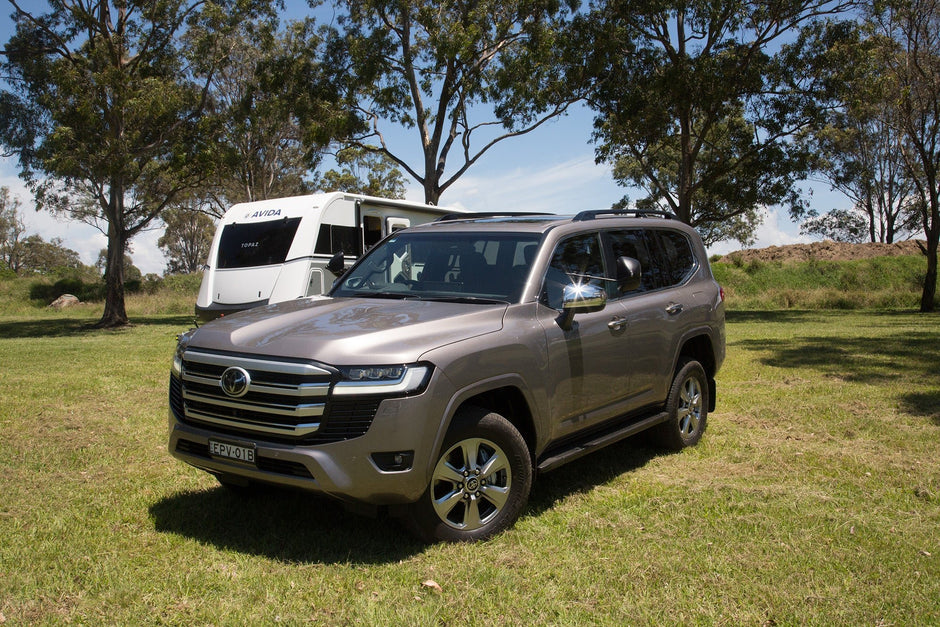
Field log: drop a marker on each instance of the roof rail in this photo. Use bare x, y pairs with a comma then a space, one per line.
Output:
490, 214
636, 213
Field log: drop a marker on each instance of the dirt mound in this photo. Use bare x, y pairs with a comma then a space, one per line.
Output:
826, 250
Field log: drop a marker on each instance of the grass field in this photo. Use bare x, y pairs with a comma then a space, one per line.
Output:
814, 498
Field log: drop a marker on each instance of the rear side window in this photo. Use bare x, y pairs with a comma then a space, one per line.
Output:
256, 244
633, 244
679, 262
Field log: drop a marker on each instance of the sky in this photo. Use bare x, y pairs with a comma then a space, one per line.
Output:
550, 169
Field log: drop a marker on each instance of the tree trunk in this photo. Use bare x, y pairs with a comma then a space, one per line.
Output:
929, 296
115, 314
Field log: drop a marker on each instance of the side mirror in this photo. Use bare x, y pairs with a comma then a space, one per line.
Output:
337, 264
581, 299
629, 274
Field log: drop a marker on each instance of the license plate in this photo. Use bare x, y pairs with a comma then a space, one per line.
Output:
236, 452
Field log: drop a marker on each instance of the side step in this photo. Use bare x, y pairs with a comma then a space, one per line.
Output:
581, 448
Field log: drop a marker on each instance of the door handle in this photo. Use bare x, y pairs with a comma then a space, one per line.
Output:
617, 324
673, 309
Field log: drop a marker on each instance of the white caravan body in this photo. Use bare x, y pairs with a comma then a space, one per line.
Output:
275, 250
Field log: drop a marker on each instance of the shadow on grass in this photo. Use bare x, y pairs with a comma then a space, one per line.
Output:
298, 527
284, 525
590, 471
73, 327
874, 359
903, 363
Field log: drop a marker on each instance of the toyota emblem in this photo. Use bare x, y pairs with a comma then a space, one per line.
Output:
235, 382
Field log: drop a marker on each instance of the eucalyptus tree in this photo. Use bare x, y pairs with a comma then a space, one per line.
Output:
697, 102
909, 33
463, 75
364, 172
279, 104
104, 105
856, 147
187, 237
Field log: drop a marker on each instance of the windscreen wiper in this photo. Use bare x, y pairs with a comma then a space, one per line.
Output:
473, 300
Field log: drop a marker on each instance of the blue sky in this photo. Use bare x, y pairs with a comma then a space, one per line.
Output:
550, 169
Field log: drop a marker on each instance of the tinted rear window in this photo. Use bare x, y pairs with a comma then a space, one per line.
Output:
256, 244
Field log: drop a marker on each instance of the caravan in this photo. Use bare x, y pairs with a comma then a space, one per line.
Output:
275, 250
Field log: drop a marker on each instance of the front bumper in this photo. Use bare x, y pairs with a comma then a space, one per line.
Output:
345, 470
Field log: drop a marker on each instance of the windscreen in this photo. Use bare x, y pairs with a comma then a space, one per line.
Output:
257, 243
466, 267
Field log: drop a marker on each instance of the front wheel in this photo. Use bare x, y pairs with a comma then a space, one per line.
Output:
480, 483
687, 406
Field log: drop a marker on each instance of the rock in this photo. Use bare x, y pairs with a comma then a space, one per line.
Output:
66, 300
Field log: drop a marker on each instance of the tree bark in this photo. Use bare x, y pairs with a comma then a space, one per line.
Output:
115, 313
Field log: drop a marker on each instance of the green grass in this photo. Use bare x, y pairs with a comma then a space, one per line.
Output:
814, 498
877, 283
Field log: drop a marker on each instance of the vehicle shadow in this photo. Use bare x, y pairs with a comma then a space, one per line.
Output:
74, 327
590, 471
284, 525
299, 527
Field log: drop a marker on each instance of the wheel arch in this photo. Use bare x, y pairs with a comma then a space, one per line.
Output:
505, 398
700, 348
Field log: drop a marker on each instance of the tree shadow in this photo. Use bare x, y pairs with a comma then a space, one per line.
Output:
891, 360
873, 359
74, 327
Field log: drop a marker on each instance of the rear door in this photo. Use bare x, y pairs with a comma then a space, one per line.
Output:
658, 312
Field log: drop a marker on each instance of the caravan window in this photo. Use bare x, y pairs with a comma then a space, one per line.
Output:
256, 244
334, 238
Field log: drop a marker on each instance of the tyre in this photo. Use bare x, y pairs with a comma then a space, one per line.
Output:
687, 406
480, 482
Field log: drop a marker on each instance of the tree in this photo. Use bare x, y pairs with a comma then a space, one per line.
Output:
279, 103
365, 172
41, 257
856, 150
909, 33
187, 238
839, 225
697, 102
12, 231
104, 107
455, 72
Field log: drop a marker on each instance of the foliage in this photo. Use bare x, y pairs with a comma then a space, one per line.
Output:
104, 107
856, 148
464, 76
363, 172
697, 102
186, 239
38, 256
840, 225
277, 103
877, 283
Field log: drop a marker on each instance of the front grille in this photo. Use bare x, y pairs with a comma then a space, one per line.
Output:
285, 401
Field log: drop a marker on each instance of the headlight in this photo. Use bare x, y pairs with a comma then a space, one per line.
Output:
181, 343
384, 380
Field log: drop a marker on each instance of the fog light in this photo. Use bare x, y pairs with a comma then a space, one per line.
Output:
397, 461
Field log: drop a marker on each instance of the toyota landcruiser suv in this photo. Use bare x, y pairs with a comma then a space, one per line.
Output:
457, 360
